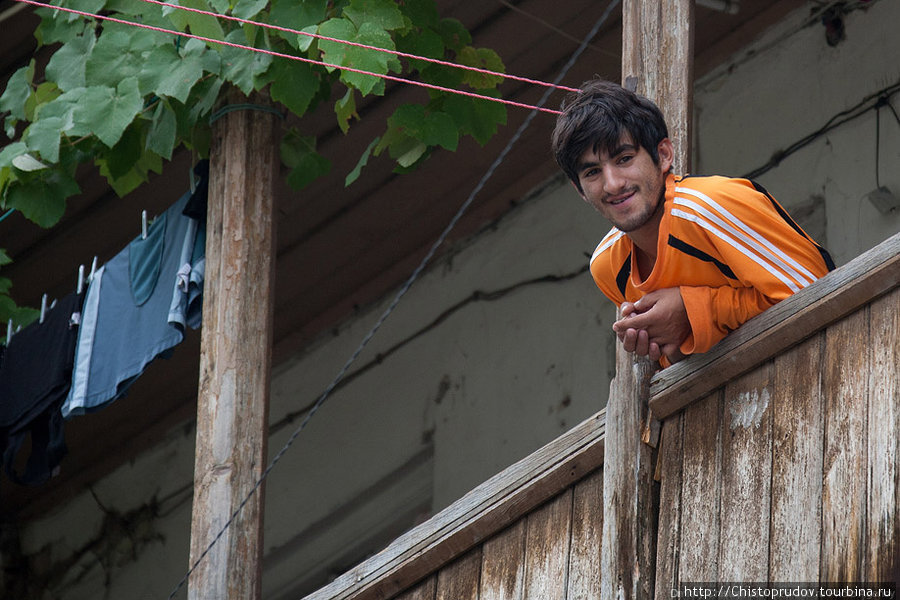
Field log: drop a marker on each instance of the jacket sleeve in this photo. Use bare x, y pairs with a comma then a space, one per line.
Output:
769, 256
716, 311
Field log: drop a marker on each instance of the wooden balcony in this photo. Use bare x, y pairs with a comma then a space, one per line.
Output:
778, 461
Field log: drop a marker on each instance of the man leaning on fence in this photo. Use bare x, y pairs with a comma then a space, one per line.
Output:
689, 258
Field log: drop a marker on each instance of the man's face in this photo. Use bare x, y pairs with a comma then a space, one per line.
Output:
626, 186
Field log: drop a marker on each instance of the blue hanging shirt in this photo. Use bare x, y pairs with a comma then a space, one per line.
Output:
136, 309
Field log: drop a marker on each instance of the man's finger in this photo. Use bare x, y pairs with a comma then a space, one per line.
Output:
630, 340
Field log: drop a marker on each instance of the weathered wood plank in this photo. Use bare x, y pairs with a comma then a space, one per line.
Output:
547, 536
676, 77
628, 555
587, 530
839, 293
797, 438
503, 564
423, 591
668, 543
478, 515
746, 476
883, 509
845, 460
701, 483
235, 358
459, 579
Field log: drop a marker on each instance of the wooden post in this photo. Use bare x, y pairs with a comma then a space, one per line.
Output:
235, 357
657, 62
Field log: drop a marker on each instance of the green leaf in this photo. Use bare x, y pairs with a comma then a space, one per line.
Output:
27, 163
133, 177
478, 118
345, 108
421, 43
242, 67
52, 30
383, 13
202, 25
10, 151
107, 112
43, 137
67, 65
408, 152
220, 6
206, 93
295, 84
121, 158
66, 107
364, 59
248, 9
303, 42
481, 58
18, 88
186, 70
121, 52
44, 93
421, 12
297, 15
362, 162
161, 136
299, 153
454, 34
42, 199
434, 129
4, 260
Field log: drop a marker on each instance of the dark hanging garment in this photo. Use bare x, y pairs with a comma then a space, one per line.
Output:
35, 375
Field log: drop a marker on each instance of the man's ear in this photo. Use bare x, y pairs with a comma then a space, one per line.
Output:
666, 154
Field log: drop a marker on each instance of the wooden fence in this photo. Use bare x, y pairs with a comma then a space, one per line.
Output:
779, 461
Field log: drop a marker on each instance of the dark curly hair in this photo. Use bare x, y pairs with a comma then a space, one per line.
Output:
597, 116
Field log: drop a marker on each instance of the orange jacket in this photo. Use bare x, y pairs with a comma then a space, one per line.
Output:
729, 247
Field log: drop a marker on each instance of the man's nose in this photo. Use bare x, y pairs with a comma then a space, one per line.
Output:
613, 182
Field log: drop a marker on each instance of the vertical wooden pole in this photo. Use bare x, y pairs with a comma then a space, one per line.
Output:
657, 62
235, 357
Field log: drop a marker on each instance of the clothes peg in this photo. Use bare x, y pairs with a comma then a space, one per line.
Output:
93, 270
80, 286
143, 224
43, 307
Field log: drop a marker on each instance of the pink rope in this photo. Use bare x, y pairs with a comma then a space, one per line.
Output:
367, 47
292, 57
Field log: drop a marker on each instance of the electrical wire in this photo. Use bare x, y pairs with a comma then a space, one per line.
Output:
364, 46
403, 290
291, 57
845, 116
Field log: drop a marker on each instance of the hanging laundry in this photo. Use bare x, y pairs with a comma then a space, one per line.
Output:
136, 309
35, 374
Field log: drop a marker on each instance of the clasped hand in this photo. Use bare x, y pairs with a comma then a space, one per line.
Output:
654, 326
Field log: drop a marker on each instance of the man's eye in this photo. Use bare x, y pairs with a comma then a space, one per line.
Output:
624, 159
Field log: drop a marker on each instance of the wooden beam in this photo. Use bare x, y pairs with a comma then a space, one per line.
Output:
657, 55
235, 358
787, 323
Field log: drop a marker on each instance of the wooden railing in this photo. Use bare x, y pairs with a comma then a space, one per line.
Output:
779, 461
